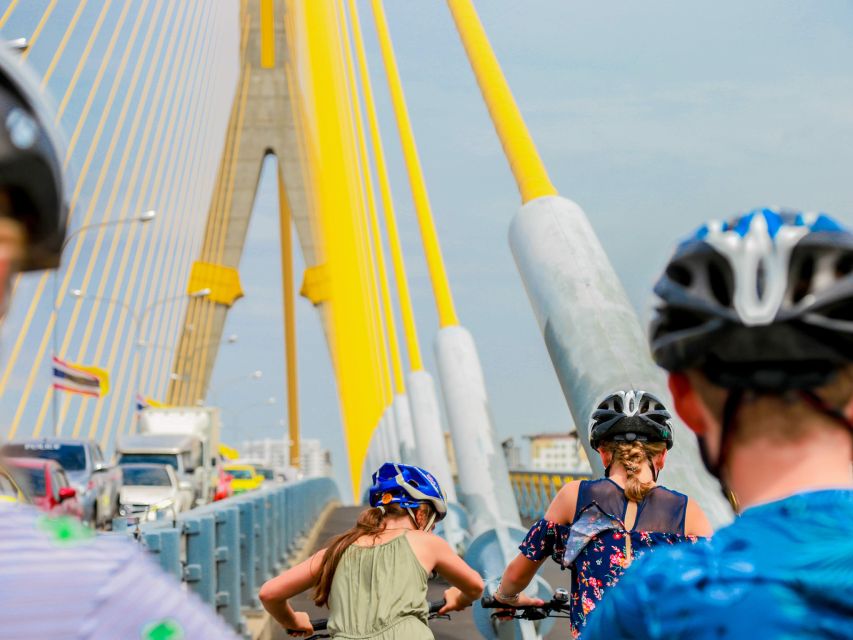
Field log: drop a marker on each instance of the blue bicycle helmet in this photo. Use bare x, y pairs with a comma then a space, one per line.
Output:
409, 487
763, 302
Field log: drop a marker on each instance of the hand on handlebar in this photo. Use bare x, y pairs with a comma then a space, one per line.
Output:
522, 601
301, 625
454, 600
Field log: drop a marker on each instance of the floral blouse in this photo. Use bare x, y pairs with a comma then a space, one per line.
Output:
596, 549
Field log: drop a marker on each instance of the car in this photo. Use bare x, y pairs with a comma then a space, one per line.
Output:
244, 477
97, 482
182, 452
10, 490
223, 485
47, 485
151, 491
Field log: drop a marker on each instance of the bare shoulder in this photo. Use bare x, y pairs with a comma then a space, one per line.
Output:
563, 505
695, 521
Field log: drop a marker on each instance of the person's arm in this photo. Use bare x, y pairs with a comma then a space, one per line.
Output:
275, 593
521, 570
695, 521
467, 583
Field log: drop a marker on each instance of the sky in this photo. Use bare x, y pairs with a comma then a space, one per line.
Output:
652, 116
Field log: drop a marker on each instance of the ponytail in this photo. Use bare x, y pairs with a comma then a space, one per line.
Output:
371, 522
632, 456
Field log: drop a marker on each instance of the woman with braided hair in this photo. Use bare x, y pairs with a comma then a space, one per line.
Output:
597, 528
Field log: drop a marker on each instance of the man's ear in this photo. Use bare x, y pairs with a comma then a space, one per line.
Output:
848, 410
687, 402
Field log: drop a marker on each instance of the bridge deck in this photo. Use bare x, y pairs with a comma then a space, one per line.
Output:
459, 627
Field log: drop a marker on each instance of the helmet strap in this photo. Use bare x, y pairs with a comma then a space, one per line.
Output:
818, 403
715, 467
412, 516
431, 521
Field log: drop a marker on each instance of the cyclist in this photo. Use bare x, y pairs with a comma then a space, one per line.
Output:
58, 580
754, 325
598, 527
373, 578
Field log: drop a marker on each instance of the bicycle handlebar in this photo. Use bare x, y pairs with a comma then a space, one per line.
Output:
320, 624
559, 603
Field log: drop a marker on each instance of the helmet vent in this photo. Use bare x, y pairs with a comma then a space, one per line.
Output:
680, 275
844, 266
719, 286
803, 280
760, 280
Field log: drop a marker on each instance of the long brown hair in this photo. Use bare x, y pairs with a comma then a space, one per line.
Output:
632, 455
371, 522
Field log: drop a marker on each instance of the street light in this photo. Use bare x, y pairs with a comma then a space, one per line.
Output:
144, 217
137, 319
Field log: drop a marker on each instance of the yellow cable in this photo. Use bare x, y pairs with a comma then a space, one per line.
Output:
61, 48
432, 249
196, 360
152, 150
196, 389
366, 216
72, 84
76, 252
530, 174
399, 266
180, 108
8, 12
386, 322
176, 243
106, 267
23, 332
34, 38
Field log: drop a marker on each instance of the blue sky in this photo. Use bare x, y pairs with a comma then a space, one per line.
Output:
652, 116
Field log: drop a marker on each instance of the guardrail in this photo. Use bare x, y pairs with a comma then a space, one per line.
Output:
225, 550
534, 489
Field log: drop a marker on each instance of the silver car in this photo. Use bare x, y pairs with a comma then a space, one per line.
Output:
151, 492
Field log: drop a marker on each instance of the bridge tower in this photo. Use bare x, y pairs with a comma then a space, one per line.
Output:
262, 123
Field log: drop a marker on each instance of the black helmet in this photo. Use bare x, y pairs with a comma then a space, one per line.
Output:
626, 416
762, 302
31, 165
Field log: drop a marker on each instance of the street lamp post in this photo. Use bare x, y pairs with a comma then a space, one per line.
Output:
137, 319
145, 216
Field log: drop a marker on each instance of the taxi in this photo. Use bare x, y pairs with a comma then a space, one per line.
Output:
244, 477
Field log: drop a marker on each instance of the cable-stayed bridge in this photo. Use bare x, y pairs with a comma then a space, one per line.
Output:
169, 110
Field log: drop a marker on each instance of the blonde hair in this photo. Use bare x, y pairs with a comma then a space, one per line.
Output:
371, 522
632, 455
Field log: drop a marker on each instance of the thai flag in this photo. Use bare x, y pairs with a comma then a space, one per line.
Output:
75, 378
141, 402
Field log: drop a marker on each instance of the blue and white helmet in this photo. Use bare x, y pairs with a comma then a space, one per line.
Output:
407, 486
762, 302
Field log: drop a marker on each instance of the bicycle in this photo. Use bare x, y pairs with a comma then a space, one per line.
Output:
559, 604
319, 624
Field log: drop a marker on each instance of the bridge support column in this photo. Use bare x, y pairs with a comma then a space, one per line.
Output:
405, 431
592, 333
431, 452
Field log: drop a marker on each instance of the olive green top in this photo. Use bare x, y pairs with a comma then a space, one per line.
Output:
379, 592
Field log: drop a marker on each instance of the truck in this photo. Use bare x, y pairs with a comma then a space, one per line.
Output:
203, 425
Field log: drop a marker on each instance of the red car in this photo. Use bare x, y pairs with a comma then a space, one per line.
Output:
47, 485
223, 485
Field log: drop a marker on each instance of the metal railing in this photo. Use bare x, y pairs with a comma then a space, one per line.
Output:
224, 551
534, 489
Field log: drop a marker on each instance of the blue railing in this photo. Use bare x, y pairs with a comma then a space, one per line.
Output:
224, 551
534, 489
